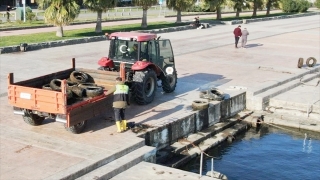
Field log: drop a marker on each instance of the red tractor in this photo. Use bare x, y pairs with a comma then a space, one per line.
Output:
146, 60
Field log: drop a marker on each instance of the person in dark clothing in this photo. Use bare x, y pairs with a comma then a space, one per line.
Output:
8, 12
237, 34
120, 102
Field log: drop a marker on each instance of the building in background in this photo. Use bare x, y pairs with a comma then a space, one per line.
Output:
17, 3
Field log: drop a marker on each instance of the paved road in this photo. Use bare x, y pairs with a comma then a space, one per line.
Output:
114, 23
204, 58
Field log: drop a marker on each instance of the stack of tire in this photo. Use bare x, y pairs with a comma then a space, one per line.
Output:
78, 86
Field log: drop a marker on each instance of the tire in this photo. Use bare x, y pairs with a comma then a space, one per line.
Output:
78, 128
314, 61
33, 119
144, 86
199, 105
300, 62
47, 87
79, 77
85, 85
77, 91
169, 82
93, 91
55, 84
71, 84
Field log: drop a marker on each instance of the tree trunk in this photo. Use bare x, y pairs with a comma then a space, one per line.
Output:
144, 18
218, 10
59, 32
268, 7
98, 24
238, 12
179, 16
255, 8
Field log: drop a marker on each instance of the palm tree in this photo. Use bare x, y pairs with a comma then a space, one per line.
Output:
180, 5
59, 13
271, 3
257, 4
216, 5
145, 5
238, 5
100, 6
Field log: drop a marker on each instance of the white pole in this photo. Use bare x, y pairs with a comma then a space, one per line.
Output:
201, 159
24, 10
212, 167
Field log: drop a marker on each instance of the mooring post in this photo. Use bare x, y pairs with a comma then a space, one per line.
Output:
212, 167
201, 159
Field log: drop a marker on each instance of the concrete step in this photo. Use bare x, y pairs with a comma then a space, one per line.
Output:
227, 134
261, 101
145, 153
97, 161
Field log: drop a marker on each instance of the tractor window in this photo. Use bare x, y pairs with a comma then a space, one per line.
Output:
166, 54
122, 49
153, 53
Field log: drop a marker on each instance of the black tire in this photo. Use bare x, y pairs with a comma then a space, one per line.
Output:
300, 62
144, 86
79, 77
55, 84
71, 84
85, 85
93, 91
314, 61
78, 128
169, 82
199, 105
33, 119
47, 87
78, 91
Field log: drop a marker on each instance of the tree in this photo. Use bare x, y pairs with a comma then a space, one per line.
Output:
257, 4
100, 6
179, 6
145, 5
59, 13
238, 5
270, 4
317, 4
215, 5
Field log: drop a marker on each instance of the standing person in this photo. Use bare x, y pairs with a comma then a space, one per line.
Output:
8, 13
120, 102
244, 36
237, 35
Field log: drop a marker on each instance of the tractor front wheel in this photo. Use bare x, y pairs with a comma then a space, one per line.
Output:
144, 86
169, 82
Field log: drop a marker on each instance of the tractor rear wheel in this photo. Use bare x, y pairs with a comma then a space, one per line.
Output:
169, 82
144, 86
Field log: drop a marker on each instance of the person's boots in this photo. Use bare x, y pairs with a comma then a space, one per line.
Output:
124, 125
118, 124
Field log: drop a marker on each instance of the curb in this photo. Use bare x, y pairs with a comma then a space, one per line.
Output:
37, 46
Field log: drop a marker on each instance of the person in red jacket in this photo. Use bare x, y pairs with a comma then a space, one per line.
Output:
237, 34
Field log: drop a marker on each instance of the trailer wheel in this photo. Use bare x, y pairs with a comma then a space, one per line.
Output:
33, 119
169, 81
92, 91
144, 86
78, 128
314, 61
79, 77
199, 105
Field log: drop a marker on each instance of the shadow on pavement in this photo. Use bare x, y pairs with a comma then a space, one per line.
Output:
253, 45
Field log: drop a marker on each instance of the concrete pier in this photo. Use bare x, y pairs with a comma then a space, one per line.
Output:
204, 58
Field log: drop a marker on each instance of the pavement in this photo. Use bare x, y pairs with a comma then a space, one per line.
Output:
204, 58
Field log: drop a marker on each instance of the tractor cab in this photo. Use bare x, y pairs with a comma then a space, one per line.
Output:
140, 53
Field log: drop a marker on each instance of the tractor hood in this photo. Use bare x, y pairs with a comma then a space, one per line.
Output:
106, 62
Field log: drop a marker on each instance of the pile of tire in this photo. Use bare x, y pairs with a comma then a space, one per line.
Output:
78, 86
213, 94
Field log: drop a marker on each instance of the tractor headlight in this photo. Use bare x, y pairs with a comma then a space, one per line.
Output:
169, 70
